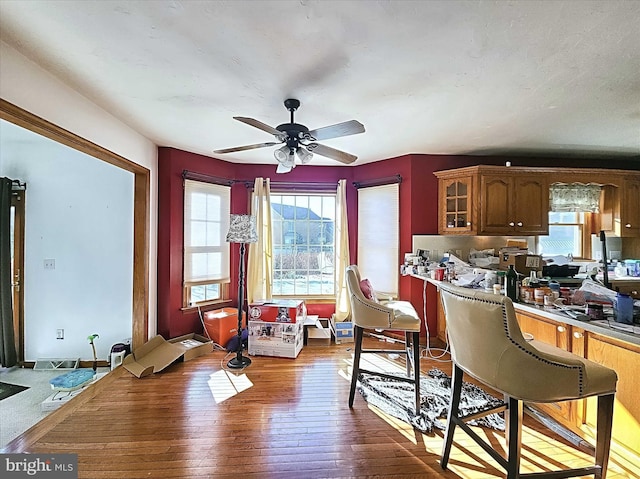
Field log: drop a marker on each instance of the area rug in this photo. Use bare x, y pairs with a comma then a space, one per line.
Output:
396, 398
8, 390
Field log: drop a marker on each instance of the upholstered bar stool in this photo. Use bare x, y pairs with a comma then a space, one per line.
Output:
487, 344
391, 316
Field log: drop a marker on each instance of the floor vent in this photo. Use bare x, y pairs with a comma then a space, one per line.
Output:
49, 364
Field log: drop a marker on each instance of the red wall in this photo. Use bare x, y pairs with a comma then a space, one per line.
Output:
418, 215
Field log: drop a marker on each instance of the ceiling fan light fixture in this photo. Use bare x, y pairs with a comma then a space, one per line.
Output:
304, 155
281, 154
282, 168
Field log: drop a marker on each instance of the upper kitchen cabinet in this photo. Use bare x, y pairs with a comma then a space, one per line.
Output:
620, 205
455, 201
498, 201
630, 208
514, 204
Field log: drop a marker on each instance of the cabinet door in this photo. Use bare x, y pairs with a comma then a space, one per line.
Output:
630, 209
495, 205
455, 206
530, 205
624, 358
556, 334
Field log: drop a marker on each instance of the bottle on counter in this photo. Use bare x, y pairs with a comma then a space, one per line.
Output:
511, 283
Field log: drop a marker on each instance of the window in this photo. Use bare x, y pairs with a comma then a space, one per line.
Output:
379, 236
206, 252
303, 244
566, 235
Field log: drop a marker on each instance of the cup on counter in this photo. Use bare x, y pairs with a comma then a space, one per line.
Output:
438, 274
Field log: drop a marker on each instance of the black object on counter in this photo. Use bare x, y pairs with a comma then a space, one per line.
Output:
605, 272
512, 283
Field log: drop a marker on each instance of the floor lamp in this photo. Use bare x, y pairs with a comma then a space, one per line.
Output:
242, 229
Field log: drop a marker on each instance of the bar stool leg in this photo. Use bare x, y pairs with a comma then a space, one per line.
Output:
356, 363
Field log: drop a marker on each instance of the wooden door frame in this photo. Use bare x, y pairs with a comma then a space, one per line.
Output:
18, 202
141, 205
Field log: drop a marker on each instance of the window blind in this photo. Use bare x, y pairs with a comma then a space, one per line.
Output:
379, 236
206, 222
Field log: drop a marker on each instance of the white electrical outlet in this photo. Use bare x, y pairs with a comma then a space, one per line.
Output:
59, 333
49, 264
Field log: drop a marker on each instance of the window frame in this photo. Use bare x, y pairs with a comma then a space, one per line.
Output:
223, 283
584, 224
301, 192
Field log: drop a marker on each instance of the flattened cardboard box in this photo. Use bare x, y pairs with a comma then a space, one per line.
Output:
193, 345
153, 356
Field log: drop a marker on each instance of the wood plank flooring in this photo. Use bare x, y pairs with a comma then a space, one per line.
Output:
279, 418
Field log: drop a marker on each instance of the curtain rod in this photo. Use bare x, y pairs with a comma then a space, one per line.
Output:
294, 185
192, 175
379, 182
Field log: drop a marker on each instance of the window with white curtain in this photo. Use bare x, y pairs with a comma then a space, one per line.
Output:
379, 236
206, 252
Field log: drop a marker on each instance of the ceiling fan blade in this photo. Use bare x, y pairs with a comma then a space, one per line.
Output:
332, 153
258, 124
246, 147
345, 128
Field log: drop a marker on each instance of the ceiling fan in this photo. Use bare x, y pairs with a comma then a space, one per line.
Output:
299, 140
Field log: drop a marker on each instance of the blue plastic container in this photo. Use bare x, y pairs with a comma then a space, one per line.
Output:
624, 308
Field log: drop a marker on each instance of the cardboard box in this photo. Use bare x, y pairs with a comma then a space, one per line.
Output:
222, 324
153, 356
342, 331
268, 338
278, 311
193, 345
318, 336
522, 262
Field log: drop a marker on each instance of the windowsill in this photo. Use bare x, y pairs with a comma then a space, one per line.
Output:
207, 306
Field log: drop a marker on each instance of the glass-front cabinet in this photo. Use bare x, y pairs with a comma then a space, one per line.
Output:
456, 206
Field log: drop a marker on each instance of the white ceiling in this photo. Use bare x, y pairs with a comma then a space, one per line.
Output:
435, 77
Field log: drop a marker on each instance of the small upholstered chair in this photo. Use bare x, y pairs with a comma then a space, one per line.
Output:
390, 316
487, 344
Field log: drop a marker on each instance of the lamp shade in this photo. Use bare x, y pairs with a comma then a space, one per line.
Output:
242, 229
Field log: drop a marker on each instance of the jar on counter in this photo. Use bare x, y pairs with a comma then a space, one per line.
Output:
595, 311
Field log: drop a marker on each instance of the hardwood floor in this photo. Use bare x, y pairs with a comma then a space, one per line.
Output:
279, 418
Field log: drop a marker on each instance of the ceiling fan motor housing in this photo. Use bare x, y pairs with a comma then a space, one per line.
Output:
294, 132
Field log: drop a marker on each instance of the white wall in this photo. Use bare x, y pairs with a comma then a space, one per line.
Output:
79, 213
30, 87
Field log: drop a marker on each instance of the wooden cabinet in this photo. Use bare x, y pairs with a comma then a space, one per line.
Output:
493, 200
455, 200
514, 205
619, 208
630, 208
621, 356
624, 358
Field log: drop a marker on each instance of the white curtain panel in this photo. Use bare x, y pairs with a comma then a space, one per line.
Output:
342, 253
260, 265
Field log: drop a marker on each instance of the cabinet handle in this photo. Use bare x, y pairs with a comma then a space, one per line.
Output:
561, 329
628, 225
512, 224
468, 223
577, 335
519, 223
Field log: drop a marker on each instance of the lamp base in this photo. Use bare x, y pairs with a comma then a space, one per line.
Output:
239, 362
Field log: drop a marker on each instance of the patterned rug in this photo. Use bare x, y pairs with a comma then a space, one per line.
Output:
8, 390
396, 398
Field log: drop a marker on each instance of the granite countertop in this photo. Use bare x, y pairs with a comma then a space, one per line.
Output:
624, 332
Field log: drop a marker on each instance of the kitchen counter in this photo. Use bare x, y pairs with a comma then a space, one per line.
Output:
624, 332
